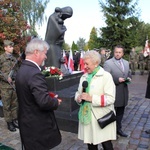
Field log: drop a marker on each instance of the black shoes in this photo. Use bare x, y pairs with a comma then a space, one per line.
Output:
11, 127
121, 133
148, 131
15, 123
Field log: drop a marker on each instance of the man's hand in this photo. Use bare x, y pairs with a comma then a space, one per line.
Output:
59, 101
121, 79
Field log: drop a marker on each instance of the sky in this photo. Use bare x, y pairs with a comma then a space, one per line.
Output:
86, 15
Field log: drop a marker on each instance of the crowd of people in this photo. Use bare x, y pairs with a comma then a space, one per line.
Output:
105, 54
138, 60
103, 88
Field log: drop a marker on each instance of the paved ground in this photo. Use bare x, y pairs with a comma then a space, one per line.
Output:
136, 121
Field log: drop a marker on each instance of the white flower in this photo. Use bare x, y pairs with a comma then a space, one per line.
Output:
52, 67
60, 77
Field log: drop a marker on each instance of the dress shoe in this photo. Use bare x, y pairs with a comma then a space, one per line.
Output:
120, 132
148, 131
11, 127
15, 123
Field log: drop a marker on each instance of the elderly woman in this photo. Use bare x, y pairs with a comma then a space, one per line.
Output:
95, 102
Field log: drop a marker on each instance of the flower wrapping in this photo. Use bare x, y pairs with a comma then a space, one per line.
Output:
52, 72
51, 94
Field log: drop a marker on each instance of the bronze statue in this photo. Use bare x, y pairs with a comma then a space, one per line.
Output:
55, 35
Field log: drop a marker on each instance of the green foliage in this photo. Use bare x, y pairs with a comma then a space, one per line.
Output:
74, 46
81, 44
144, 33
93, 42
12, 25
86, 47
33, 11
138, 49
122, 23
65, 46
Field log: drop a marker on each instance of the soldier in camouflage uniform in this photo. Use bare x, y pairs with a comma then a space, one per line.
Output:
8, 94
103, 56
133, 61
141, 62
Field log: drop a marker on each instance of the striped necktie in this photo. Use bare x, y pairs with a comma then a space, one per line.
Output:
121, 65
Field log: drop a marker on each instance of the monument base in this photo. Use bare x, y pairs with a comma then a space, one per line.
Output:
67, 122
67, 112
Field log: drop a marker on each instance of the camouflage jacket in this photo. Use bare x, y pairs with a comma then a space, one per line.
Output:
141, 57
133, 56
7, 63
103, 59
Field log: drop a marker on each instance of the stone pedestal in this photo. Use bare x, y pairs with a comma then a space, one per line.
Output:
67, 112
54, 84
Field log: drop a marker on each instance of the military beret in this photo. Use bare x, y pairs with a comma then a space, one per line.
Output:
7, 42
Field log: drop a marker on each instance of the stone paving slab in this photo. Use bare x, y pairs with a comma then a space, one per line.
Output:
136, 120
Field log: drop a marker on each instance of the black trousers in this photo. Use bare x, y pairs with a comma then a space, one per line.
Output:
119, 116
106, 146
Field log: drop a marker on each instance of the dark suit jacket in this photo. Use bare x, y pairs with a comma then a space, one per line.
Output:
113, 67
147, 95
38, 127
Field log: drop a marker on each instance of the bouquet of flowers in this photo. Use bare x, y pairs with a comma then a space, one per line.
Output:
52, 72
127, 80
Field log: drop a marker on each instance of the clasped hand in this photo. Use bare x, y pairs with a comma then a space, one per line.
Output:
84, 96
123, 79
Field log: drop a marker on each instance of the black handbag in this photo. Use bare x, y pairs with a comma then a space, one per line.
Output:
107, 119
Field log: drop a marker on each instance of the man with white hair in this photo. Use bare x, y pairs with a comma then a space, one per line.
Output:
38, 127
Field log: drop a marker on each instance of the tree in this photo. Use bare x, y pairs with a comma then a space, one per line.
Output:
86, 46
12, 25
65, 46
81, 44
122, 23
33, 11
144, 33
74, 46
93, 42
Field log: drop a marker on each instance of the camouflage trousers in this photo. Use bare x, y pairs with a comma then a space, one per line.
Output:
10, 104
142, 66
133, 66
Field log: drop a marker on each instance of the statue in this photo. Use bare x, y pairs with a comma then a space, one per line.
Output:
55, 35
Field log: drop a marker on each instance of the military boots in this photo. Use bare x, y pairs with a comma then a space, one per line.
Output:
11, 127
15, 123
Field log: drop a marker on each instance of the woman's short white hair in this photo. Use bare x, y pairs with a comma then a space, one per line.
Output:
93, 55
36, 44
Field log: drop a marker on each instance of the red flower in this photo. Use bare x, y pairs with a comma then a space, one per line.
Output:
51, 94
52, 71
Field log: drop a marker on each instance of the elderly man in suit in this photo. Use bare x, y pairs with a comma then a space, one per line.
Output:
119, 69
38, 126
